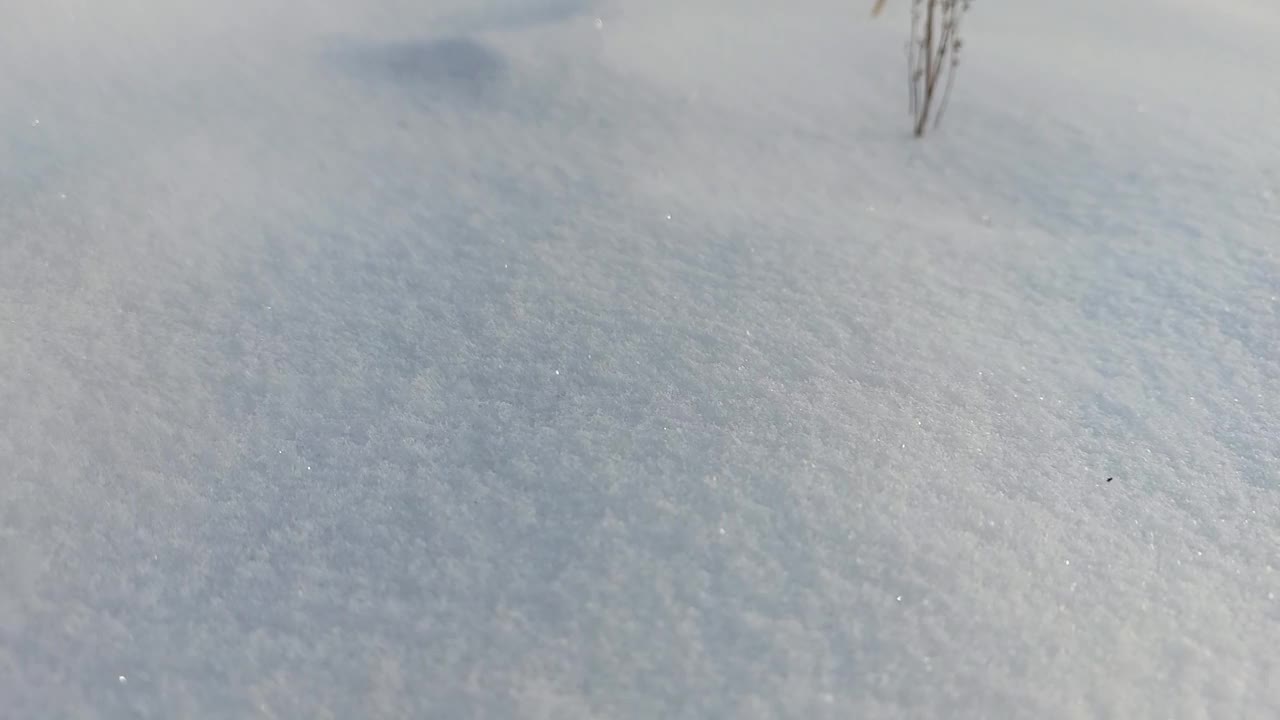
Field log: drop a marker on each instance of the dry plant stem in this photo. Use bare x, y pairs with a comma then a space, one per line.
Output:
933, 52
914, 70
930, 71
951, 72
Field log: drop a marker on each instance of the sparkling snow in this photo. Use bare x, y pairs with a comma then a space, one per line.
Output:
279, 438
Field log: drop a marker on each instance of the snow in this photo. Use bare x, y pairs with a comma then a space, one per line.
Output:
547, 358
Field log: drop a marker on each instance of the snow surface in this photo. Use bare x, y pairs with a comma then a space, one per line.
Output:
559, 359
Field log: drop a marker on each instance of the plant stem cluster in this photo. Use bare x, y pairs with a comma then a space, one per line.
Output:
933, 54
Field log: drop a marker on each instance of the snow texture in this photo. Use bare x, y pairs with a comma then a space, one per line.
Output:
560, 359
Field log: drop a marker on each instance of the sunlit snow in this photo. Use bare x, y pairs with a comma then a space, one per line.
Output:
573, 359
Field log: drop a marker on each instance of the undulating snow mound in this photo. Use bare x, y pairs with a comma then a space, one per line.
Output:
560, 359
